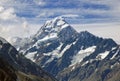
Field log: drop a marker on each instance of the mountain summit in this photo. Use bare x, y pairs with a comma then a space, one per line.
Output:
72, 56
55, 28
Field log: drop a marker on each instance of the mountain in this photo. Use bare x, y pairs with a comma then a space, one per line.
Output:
15, 67
20, 43
72, 56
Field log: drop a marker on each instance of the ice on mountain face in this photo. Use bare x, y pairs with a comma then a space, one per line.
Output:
58, 23
50, 32
115, 64
82, 54
55, 29
115, 53
18, 48
85, 63
56, 53
48, 61
67, 47
46, 39
73, 68
101, 56
31, 56
52, 26
67, 33
113, 48
75, 42
64, 26
51, 36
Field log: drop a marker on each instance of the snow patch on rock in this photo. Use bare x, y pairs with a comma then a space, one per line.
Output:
31, 56
82, 54
101, 56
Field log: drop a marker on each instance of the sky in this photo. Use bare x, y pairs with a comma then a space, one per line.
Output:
24, 17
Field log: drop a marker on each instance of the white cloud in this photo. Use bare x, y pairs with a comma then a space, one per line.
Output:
3, 1
71, 15
45, 14
12, 25
40, 2
1, 9
22, 29
7, 14
105, 30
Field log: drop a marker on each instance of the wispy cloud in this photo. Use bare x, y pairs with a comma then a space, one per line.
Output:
45, 14
71, 15
22, 30
97, 9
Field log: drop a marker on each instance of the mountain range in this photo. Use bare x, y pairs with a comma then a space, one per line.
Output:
69, 55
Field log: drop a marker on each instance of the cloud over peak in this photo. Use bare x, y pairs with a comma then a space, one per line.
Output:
20, 14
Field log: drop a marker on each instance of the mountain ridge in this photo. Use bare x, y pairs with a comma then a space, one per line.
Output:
66, 54
19, 64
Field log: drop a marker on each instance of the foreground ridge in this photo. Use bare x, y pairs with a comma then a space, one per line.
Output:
15, 66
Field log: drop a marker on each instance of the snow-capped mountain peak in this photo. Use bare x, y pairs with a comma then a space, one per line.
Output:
53, 28
56, 22
55, 25
59, 46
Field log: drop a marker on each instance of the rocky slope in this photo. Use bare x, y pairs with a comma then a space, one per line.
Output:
15, 67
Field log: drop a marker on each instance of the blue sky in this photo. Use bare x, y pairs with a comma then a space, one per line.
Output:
88, 11
23, 15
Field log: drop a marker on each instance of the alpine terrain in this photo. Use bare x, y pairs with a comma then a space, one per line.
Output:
15, 67
72, 56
